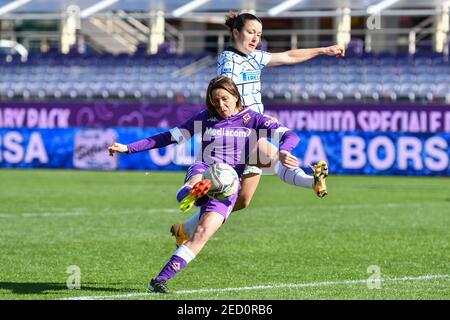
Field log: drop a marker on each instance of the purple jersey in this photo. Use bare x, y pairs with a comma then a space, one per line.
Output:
228, 141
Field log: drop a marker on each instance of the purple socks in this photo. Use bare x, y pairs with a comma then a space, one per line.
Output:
174, 265
180, 258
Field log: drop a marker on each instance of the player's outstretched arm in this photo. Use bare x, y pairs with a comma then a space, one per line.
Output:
160, 140
117, 147
301, 55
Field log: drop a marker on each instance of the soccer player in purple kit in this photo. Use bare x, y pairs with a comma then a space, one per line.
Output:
228, 131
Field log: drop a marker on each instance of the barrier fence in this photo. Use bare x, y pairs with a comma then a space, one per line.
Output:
354, 139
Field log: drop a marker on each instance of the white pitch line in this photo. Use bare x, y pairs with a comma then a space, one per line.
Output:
51, 214
40, 214
265, 287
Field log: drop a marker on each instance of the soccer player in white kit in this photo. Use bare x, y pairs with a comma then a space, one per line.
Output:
243, 63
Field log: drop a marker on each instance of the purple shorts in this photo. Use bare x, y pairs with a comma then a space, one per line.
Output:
222, 207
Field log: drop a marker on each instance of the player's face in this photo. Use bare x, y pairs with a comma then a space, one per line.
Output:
225, 103
248, 38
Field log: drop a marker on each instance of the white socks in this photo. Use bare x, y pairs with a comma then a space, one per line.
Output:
191, 224
296, 177
184, 253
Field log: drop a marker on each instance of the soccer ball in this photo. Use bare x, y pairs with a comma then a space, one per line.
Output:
224, 181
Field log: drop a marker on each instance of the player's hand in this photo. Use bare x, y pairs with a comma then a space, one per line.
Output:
287, 159
117, 147
336, 50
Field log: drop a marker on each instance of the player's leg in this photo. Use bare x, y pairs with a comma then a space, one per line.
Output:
210, 222
297, 177
194, 174
220, 208
183, 231
194, 188
213, 214
268, 153
196, 193
252, 174
249, 185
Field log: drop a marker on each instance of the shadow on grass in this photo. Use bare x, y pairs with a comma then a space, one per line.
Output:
42, 287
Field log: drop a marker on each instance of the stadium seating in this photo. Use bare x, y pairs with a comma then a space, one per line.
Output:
384, 76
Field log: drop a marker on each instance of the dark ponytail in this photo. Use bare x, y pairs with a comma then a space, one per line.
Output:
237, 21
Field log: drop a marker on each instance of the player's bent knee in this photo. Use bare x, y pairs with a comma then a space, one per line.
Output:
201, 234
246, 202
242, 203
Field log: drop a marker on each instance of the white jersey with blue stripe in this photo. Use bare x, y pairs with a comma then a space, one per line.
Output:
245, 70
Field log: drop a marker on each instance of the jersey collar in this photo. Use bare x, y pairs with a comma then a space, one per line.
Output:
238, 114
233, 49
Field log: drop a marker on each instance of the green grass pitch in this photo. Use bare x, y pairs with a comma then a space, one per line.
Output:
289, 244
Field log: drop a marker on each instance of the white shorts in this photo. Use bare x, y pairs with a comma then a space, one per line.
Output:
252, 169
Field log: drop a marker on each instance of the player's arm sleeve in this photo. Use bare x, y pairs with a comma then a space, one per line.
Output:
154, 142
262, 58
226, 67
265, 59
287, 138
178, 135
